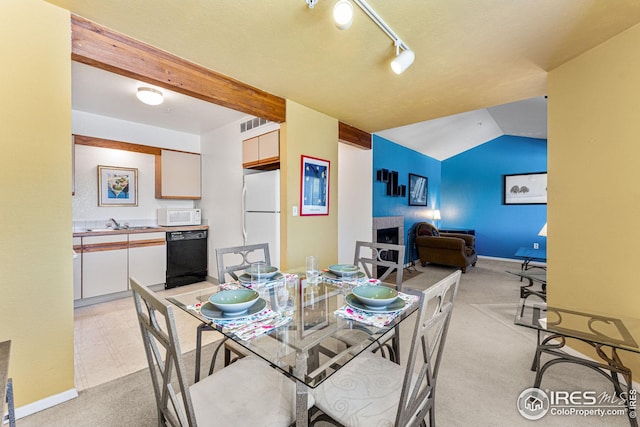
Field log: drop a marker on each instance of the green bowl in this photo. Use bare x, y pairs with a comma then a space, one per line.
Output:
234, 301
341, 269
377, 296
267, 273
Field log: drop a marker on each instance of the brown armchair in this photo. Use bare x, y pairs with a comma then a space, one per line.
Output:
456, 250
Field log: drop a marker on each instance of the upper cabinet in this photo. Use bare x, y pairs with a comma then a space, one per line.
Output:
262, 152
178, 175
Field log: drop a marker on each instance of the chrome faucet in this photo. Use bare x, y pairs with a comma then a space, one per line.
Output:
117, 226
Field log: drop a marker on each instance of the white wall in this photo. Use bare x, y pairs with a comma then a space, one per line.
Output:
221, 201
121, 130
355, 199
222, 174
86, 212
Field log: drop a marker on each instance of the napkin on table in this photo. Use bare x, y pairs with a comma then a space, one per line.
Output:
373, 318
249, 327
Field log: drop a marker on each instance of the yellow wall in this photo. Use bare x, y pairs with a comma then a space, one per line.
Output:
594, 181
36, 277
313, 134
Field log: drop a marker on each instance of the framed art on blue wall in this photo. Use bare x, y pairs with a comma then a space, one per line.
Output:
418, 186
525, 189
314, 186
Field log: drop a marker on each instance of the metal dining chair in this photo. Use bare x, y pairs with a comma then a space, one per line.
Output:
6, 385
371, 390
230, 262
380, 260
219, 399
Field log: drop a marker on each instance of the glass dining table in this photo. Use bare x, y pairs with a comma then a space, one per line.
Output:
317, 339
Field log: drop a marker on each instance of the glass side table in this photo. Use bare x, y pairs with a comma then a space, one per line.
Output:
605, 333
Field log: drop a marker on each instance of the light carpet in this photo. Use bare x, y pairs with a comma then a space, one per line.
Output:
486, 365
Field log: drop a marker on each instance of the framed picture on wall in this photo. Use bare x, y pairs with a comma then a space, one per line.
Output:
117, 186
418, 186
525, 189
314, 186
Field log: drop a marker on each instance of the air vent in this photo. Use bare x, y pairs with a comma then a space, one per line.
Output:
252, 124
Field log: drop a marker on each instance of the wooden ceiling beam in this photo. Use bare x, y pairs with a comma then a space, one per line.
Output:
103, 48
354, 136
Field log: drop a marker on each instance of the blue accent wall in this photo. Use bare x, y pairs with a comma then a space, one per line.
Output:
471, 195
467, 189
389, 155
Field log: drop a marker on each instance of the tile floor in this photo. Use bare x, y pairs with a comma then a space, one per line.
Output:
108, 344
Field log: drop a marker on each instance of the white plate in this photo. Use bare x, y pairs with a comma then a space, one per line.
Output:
210, 311
352, 301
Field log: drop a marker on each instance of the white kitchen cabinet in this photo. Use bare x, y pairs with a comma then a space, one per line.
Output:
77, 268
148, 257
178, 175
104, 265
261, 151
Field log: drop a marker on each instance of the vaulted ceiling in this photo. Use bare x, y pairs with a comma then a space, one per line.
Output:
470, 55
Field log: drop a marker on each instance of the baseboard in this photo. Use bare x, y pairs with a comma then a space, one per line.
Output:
45, 403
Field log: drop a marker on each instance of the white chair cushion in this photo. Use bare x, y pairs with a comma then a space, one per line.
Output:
365, 392
246, 393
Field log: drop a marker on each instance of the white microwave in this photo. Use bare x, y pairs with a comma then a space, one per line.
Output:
169, 217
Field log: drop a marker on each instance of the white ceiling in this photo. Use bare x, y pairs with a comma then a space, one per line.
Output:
101, 92
451, 135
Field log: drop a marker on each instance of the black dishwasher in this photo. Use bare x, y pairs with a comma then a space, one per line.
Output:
186, 257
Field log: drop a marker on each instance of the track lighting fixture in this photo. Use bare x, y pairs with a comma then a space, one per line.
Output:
403, 60
343, 17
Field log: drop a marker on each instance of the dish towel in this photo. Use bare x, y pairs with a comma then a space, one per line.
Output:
372, 318
249, 327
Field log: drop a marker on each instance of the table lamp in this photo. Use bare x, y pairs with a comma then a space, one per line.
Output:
543, 231
436, 217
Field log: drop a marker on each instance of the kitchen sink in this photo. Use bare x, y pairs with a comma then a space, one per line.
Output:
143, 227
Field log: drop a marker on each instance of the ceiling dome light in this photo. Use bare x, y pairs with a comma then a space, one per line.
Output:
402, 61
149, 95
343, 14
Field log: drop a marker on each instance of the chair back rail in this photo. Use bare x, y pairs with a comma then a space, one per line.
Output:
432, 323
378, 258
246, 255
159, 335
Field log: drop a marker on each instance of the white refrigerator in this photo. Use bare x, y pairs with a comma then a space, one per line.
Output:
261, 211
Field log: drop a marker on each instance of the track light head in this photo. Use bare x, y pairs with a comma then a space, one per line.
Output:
402, 61
343, 14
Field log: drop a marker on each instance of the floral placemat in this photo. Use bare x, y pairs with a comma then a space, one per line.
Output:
372, 318
248, 327
262, 286
339, 281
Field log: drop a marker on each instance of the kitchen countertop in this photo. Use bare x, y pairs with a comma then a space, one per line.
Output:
137, 230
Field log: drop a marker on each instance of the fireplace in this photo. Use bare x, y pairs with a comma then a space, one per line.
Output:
391, 236
388, 229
